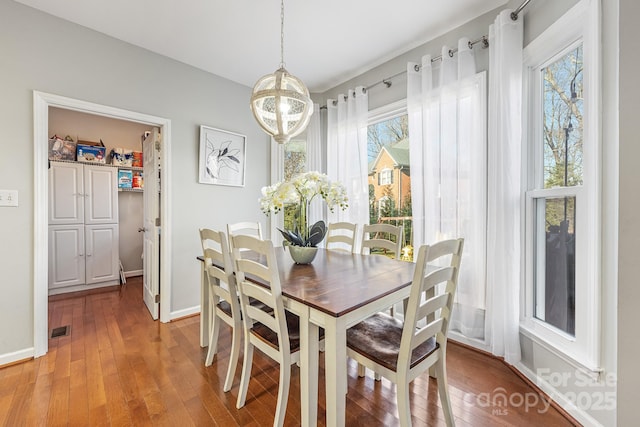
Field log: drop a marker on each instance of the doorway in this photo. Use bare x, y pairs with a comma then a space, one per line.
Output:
42, 103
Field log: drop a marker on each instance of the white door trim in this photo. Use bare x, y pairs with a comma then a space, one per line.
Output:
41, 103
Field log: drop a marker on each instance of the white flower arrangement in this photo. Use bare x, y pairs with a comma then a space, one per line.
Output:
299, 191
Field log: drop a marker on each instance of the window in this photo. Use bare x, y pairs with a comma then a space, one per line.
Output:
555, 214
385, 177
561, 303
388, 154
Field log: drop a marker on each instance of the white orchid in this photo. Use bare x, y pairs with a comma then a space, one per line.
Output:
300, 190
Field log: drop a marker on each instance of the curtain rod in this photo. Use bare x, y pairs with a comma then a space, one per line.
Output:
387, 81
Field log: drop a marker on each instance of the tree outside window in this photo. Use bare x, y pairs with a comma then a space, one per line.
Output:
562, 121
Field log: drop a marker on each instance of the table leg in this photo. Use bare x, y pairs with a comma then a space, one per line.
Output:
308, 371
204, 308
335, 356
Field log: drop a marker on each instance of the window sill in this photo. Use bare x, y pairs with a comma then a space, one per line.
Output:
591, 371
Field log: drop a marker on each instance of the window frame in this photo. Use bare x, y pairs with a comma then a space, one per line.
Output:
574, 28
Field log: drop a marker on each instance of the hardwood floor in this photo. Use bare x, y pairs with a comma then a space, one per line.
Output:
117, 367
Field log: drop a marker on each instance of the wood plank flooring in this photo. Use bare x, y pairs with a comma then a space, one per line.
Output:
119, 368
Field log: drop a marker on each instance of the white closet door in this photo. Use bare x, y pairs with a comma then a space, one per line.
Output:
151, 277
102, 242
101, 201
66, 255
66, 193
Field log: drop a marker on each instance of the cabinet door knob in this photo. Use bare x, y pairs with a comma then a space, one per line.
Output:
141, 230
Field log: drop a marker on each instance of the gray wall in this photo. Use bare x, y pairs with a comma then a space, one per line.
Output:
629, 240
40, 52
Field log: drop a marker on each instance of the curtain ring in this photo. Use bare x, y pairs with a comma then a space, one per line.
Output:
450, 53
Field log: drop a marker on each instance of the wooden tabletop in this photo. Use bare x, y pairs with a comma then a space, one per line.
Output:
337, 282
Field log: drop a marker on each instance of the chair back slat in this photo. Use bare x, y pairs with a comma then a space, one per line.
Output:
341, 236
258, 315
430, 330
247, 228
254, 268
432, 305
382, 236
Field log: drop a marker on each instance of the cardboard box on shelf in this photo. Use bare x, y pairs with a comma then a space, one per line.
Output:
88, 151
125, 179
61, 149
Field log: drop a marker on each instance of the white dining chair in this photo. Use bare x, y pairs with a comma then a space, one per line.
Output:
401, 351
341, 236
276, 334
224, 301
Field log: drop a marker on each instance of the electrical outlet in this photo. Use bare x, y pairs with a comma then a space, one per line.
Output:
8, 197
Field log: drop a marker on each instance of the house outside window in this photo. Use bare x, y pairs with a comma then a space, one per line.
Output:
561, 303
389, 171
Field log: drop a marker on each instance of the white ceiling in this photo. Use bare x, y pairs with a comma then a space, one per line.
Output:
326, 41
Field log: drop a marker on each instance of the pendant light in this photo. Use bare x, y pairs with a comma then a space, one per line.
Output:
280, 102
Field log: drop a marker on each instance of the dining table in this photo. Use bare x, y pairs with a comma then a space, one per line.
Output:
336, 291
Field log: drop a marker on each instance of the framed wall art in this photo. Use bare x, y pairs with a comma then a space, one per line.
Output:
222, 157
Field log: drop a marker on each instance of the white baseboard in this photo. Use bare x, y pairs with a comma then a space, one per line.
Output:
16, 356
185, 313
133, 273
578, 413
78, 288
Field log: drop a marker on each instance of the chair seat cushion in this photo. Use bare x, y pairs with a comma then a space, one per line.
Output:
293, 326
378, 338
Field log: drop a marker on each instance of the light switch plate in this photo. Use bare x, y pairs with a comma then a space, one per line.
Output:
9, 198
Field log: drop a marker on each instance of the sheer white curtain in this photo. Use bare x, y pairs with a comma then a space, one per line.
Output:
447, 128
277, 175
347, 152
504, 227
314, 160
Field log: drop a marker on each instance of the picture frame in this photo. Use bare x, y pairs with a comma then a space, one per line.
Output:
222, 157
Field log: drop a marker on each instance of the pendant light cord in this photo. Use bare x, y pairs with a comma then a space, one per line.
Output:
281, 33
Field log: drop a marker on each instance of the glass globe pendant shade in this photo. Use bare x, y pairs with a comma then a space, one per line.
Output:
281, 104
